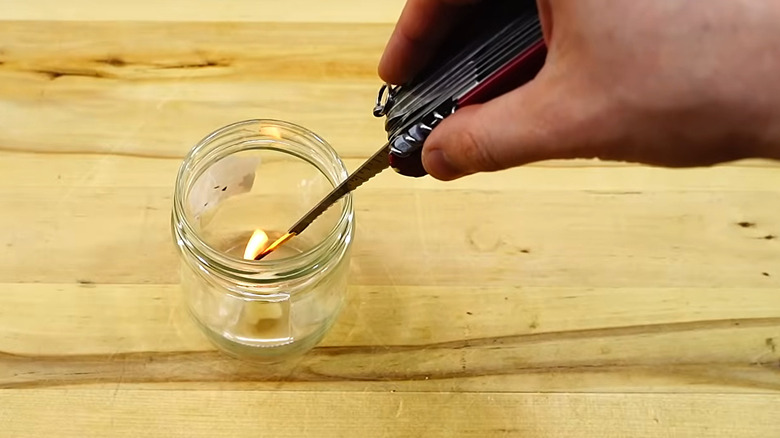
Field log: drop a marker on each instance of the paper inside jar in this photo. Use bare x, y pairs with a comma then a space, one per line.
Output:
262, 189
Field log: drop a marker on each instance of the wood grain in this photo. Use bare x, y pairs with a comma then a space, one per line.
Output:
497, 339
294, 414
514, 237
563, 299
155, 89
296, 11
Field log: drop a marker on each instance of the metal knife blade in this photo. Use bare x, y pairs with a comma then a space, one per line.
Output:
373, 166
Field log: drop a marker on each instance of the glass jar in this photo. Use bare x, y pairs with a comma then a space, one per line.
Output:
262, 175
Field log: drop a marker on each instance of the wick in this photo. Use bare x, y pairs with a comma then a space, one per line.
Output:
271, 248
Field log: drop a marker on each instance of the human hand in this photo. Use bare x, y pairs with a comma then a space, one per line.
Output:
660, 82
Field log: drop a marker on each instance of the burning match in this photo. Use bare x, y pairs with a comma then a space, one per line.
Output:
258, 247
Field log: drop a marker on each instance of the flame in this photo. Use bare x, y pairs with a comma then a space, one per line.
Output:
256, 245
279, 242
271, 131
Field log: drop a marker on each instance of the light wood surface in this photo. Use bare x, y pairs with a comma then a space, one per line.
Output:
563, 299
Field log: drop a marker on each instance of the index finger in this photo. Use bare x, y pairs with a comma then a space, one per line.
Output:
420, 29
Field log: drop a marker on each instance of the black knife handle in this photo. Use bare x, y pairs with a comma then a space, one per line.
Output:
406, 148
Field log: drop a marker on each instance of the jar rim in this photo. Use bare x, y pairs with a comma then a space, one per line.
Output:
238, 268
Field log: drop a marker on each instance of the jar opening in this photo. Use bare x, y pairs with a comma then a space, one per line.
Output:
259, 175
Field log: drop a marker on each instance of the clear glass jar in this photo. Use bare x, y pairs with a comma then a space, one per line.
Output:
262, 175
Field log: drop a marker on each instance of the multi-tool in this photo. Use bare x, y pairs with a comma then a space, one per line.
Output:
498, 48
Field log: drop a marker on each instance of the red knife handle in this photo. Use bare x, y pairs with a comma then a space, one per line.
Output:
514, 74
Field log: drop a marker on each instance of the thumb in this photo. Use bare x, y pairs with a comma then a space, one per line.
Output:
543, 119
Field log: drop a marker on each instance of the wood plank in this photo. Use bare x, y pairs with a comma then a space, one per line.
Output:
561, 299
338, 11
428, 315
429, 339
156, 89
97, 169
285, 414
564, 238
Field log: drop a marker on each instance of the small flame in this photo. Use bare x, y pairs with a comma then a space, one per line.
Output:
279, 242
256, 245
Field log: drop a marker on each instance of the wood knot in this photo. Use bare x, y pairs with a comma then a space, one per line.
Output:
112, 61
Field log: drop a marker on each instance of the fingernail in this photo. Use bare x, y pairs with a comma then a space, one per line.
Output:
438, 165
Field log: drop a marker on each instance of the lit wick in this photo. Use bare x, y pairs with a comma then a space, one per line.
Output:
257, 244
258, 247
279, 242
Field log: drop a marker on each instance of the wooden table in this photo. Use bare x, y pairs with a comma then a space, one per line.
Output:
561, 299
